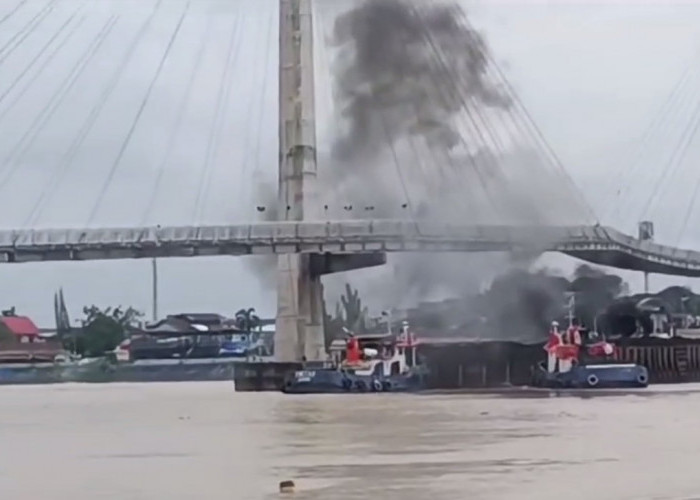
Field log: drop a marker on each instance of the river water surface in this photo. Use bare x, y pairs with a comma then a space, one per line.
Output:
203, 441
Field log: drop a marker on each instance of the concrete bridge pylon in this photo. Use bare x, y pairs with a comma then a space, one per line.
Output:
299, 323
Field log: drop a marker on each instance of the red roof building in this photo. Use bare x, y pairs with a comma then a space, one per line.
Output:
21, 326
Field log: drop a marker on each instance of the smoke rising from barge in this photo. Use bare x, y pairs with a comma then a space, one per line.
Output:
405, 74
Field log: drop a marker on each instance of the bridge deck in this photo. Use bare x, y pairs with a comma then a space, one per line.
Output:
597, 244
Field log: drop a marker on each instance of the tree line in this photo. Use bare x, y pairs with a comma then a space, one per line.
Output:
101, 330
518, 305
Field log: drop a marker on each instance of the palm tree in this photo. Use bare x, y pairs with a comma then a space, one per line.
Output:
246, 319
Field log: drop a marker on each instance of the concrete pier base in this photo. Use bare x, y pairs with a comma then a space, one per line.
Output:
299, 322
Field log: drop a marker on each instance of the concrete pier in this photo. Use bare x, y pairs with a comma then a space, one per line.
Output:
299, 292
299, 321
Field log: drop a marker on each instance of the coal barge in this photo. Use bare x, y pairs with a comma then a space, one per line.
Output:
466, 363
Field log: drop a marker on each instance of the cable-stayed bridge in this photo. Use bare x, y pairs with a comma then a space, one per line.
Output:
596, 244
422, 145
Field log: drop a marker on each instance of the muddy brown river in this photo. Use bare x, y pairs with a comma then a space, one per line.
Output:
203, 441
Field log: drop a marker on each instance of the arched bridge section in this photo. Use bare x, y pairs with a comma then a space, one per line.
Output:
596, 244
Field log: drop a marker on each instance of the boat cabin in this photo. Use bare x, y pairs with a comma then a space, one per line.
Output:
575, 346
379, 355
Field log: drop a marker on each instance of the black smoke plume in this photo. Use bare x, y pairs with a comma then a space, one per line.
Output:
405, 74
521, 305
405, 70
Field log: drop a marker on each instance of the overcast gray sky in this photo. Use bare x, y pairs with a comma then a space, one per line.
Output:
591, 75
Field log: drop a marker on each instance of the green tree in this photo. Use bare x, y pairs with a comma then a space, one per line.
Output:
247, 320
332, 324
352, 316
355, 315
102, 330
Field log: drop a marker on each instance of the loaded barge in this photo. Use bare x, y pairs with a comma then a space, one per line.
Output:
451, 363
386, 363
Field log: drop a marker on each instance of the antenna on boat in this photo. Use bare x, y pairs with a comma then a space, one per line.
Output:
154, 266
387, 315
571, 308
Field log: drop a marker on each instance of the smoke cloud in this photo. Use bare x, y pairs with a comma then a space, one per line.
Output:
413, 96
413, 93
403, 71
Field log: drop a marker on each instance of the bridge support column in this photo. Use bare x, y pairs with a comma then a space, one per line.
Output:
299, 325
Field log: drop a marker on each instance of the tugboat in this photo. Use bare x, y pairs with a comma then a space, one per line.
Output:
572, 362
363, 363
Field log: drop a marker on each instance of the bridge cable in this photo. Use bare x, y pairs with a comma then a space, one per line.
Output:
261, 108
263, 94
336, 191
27, 26
41, 52
27, 30
47, 112
67, 158
457, 93
182, 107
335, 188
502, 152
517, 128
688, 212
659, 118
521, 209
429, 175
529, 123
392, 143
397, 164
676, 158
41, 68
218, 132
696, 187
12, 12
438, 169
429, 172
221, 101
531, 126
687, 102
453, 173
139, 113
496, 143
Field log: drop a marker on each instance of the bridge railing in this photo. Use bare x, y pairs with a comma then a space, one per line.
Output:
381, 235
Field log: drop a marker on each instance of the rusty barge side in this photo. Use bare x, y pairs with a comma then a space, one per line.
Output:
458, 364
